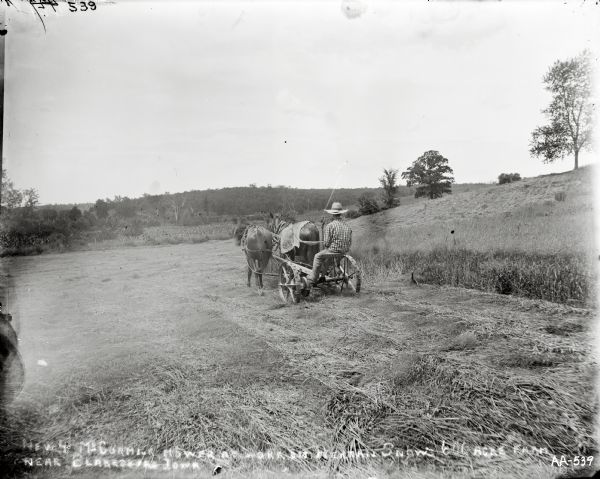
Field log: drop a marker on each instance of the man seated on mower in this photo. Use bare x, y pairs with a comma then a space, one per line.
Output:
337, 240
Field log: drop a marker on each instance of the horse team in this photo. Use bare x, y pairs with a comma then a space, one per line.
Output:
258, 243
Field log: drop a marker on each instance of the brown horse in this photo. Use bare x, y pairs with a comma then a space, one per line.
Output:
257, 244
309, 239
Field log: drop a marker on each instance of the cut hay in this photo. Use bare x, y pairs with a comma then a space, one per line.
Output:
438, 401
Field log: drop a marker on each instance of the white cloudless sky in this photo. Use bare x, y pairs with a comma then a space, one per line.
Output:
148, 97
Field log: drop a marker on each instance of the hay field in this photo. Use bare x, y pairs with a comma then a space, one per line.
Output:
155, 350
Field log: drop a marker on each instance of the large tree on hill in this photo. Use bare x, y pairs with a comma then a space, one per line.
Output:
431, 175
570, 112
390, 188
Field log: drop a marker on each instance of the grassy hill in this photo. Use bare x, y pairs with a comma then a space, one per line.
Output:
533, 237
528, 215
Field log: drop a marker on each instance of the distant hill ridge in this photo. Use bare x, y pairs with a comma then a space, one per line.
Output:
488, 200
247, 200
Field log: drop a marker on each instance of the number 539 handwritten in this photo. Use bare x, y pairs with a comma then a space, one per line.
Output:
83, 6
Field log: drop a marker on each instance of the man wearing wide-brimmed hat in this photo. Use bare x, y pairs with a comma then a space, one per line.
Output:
337, 239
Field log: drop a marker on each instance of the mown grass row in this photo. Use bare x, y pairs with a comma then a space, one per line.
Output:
561, 278
432, 400
165, 235
108, 238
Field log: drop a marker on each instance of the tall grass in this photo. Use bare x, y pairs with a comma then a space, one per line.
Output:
560, 278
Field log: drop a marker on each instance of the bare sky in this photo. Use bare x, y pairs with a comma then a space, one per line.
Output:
147, 97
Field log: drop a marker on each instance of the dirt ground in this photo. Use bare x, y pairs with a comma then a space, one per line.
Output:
100, 325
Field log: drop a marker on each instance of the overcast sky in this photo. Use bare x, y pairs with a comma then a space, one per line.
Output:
148, 97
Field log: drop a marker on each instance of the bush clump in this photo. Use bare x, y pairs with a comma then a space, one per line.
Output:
27, 231
367, 205
134, 228
508, 178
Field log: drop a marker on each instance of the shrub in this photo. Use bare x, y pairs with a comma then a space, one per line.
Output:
125, 208
135, 228
508, 178
28, 231
48, 214
352, 214
367, 205
101, 208
75, 214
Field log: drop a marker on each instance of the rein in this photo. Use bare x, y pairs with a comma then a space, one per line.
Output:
281, 225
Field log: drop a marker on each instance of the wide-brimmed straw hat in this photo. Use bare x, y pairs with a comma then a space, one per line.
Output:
336, 209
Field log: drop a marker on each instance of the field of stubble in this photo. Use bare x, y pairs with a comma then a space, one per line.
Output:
154, 348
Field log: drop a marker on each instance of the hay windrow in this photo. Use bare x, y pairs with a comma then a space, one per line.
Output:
437, 400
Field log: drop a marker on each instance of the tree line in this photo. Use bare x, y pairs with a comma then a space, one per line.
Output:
27, 228
208, 206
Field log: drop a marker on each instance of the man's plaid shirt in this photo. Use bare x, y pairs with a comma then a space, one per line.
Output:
338, 236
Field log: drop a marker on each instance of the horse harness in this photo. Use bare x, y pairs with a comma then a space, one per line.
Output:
246, 250
276, 232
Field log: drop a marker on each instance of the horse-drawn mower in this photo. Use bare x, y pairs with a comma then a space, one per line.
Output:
286, 245
342, 273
